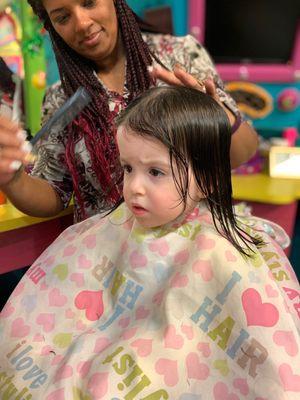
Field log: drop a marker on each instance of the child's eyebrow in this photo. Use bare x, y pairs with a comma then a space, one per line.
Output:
157, 163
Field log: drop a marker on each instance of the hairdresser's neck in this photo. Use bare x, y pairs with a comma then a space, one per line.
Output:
111, 70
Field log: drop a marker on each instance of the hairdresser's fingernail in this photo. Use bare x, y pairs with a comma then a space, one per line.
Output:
177, 65
15, 165
21, 135
150, 68
26, 147
30, 158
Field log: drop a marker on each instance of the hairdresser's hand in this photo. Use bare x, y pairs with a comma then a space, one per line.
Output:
180, 77
13, 150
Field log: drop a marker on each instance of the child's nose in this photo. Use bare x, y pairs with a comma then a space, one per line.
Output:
137, 185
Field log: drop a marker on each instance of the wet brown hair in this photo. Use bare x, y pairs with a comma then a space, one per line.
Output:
95, 122
196, 131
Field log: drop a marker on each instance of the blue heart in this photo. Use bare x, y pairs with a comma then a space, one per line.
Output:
161, 272
29, 302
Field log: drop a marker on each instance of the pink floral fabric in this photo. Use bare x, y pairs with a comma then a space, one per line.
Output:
113, 311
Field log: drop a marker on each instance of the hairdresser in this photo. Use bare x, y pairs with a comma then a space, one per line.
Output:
103, 46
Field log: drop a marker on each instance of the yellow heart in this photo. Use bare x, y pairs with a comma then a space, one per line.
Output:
61, 271
78, 395
118, 214
62, 340
222, 366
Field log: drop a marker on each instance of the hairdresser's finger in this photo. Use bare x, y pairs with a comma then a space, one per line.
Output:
187, 79
8, 124
12, 139
7, 169
210, 87
164, 75
13, 153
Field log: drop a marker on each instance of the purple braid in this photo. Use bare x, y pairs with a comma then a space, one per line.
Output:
95, 123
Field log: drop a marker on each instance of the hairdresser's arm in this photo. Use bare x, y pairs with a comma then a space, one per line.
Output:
33, 196
244, 140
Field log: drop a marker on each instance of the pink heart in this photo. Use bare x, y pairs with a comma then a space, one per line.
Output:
129, 333
287, 340
56, 360
38, 338
172, 340
124, 247
270, 291
56, 299
241, 385
57, 395
77, 278
195, 369
204, 349
19, 329
91, 302
98, 385
43, 286
101, 344
8, 310
49, 261
221, 392
193, 215
69, 314
124, 322
137, 260
64, 372
167, 368
46, 350
141, 313
47, 321
181, 257
258, 313
188, 331
204, 243
90, 241
230, 257
69, 251
158, 297
19, 289
83, 368
83, 262
144, 346
80, 326
179, 281
203, 268
291, 382
160, 246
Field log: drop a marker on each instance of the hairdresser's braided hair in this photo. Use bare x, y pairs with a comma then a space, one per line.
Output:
77, 71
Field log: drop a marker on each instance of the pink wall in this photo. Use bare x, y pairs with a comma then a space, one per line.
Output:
255, 73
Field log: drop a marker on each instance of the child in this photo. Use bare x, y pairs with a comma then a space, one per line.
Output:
171, 296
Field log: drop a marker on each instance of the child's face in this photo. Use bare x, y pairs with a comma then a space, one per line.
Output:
149, 188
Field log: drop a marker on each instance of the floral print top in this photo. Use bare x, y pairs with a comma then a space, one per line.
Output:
51, 165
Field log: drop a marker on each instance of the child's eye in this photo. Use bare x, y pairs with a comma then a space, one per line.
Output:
156, 172
127, 168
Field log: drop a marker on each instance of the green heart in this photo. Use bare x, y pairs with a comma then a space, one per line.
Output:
78, 395
62, 340
61, 271
222, 366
